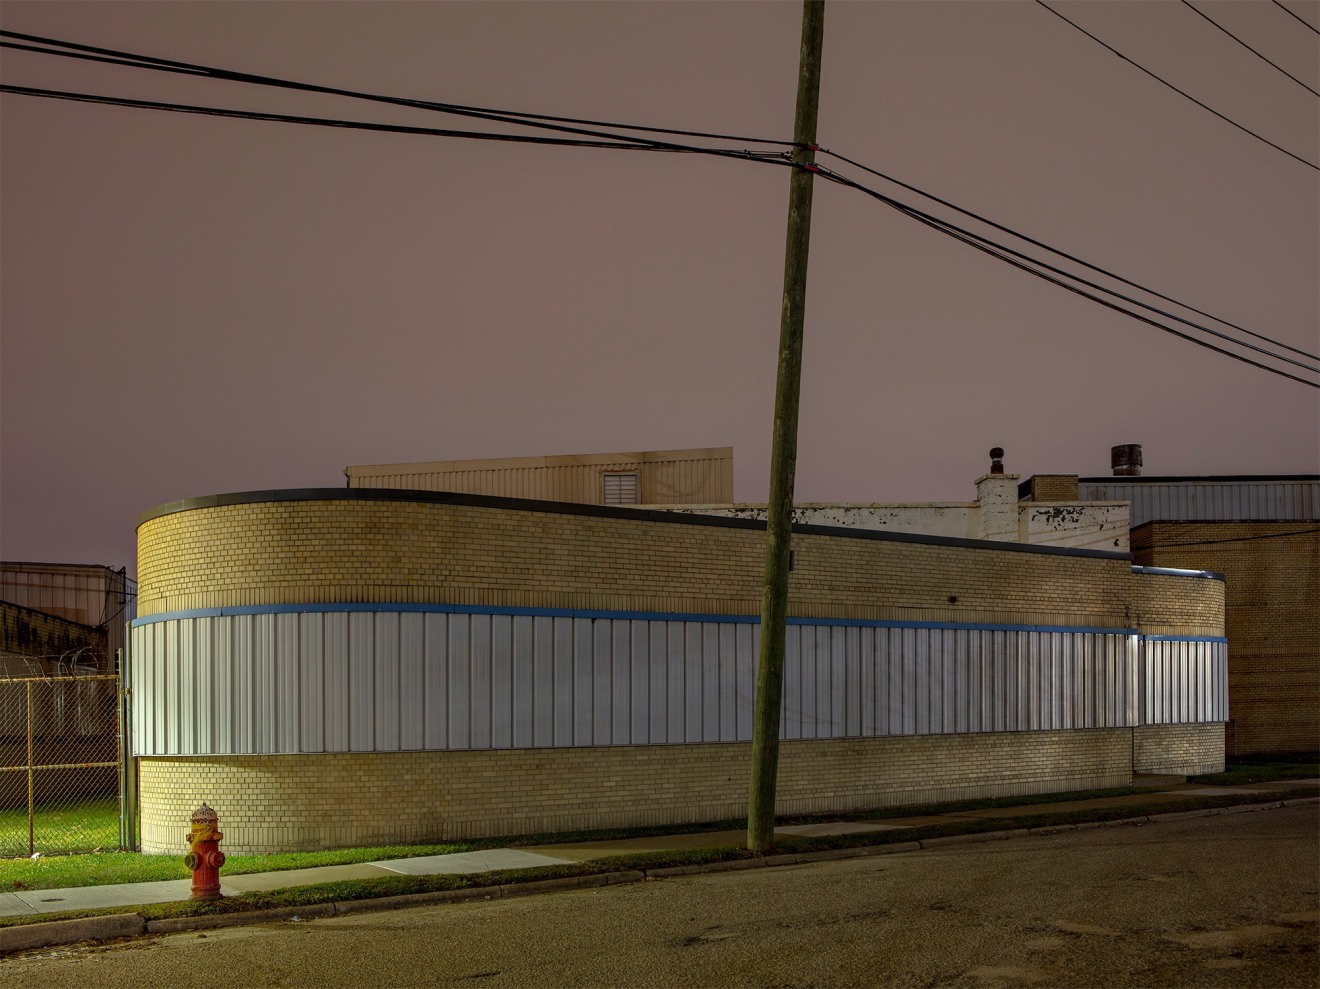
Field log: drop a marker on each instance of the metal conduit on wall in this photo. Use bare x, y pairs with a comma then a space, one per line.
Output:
343, 680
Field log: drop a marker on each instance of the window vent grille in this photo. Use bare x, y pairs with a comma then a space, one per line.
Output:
620, 488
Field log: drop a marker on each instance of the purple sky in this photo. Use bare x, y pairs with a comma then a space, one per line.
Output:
194, 305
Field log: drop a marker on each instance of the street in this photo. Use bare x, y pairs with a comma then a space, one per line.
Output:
1212, 901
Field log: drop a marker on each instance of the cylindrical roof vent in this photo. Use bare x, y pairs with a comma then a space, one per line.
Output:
997, 460
1126, 460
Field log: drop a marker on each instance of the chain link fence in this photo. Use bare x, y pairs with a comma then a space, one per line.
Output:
60, 764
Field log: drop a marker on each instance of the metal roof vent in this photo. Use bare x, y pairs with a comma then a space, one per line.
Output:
1126, 460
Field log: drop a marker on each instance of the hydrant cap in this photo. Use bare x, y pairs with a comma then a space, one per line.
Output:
205, 815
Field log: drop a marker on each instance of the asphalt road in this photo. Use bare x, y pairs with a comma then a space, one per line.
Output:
1215, 901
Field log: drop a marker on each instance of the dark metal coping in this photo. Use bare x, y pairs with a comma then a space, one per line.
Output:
1298, 521
597, 511
1024, 487
1175, 478
1176, 572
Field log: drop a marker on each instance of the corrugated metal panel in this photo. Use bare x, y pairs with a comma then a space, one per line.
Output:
1184, 681
1209, 499
663, 477
385, 681
84, 593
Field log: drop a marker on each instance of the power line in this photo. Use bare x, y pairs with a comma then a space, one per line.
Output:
1180, 92
113, 56
1063, 254
1301, 19
1100, 288
768, 158
1240, 539
1209, 19
136, 60
1023, 262
1013, 258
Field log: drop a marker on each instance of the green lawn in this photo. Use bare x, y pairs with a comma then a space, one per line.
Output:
1263, 770
81, 826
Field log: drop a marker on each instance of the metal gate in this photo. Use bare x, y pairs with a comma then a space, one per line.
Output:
62, 765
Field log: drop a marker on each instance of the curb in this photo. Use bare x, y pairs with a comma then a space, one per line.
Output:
173, 925
26, 937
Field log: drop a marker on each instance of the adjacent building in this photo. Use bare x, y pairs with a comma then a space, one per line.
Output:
97, 598
1263, 533
646, 478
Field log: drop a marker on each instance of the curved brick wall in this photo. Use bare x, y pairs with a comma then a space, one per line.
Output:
461, 552
323, 548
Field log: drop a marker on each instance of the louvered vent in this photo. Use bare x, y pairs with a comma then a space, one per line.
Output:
621, 488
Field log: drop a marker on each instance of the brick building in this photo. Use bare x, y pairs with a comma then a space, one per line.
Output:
1263, 533
346, 666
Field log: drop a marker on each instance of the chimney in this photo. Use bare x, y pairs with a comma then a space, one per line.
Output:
997, 501
1126, 460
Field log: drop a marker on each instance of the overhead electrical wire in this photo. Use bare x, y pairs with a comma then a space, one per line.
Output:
1263, 58
911, 211
632, 143
1185, 95
1055, 277
1293, 15
1063, 254
1239, 539
133, 59
58, 94
543, 121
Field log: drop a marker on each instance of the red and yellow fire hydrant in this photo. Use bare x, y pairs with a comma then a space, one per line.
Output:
204, 856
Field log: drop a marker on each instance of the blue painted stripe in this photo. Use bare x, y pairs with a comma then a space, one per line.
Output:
663, 616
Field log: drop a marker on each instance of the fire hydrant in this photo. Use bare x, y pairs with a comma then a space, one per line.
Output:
204, 856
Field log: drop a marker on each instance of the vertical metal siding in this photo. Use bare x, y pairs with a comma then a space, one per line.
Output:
385, 683
666, 477
1210, 499
88, 594
501, 682
479, 681
412, 682
435, 640
311, 683
1183, 681
457, 668
382, 681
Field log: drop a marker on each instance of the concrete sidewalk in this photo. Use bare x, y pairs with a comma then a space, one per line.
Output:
32, 902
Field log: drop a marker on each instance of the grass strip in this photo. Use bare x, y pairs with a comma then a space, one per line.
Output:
364, 889
106, 868
1262, 770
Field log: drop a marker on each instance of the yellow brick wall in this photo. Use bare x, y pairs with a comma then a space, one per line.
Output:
1178, 750
339, 551
267, 803
1272, 616
1055, 487
1163, 604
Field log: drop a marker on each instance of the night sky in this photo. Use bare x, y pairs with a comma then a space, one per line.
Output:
193, 305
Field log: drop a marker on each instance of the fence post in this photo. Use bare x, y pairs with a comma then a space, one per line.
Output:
31, 760
128, 771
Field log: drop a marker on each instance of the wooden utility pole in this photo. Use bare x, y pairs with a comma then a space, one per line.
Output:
783, 457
